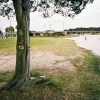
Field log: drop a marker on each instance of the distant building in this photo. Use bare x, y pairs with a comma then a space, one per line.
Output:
50, 31
37, 33
65, 32
33, 32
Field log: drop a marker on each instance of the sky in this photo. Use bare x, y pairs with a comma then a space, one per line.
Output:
89, 17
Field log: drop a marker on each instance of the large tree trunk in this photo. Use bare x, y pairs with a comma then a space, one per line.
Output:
22, 71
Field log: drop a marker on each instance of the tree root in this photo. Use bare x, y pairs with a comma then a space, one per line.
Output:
39, 80
16, 84
12, 85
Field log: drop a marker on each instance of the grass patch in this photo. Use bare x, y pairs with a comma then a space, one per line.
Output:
55, 84
8, 46
6, 76
35, 74
94, 63
56, 45
88, 76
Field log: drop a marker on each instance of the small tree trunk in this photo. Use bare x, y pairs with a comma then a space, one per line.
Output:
22, 71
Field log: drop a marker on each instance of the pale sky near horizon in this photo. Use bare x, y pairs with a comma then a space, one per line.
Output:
89, 17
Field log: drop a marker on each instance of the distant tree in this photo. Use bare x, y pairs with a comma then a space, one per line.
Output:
0, 32
16, 27
22, 8
85, 29
9, 30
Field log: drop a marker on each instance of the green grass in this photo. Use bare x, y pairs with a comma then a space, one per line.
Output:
35, 74
56, 45
8, 46
80, 84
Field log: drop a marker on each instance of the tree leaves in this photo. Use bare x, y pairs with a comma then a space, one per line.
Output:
1, 1
9, 29
6, 8
48, 7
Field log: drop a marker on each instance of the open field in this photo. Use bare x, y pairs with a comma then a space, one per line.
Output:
74, 72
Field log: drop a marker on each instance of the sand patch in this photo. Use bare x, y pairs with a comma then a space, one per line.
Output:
37, 60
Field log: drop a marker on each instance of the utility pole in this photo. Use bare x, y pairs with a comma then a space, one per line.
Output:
93, 30
10, 28
44, 28
50, 26
10, 21
63, 25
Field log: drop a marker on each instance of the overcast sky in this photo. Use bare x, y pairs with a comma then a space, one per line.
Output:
89, 17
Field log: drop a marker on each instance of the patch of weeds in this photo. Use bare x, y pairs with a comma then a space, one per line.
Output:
55, 84
93, 63
77, 62
91, 89
52, 82
6, 76
35, 74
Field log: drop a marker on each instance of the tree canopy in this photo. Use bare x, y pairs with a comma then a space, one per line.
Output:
48, 7
9, 29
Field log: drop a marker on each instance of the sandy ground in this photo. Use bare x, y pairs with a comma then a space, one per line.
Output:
92, 42
37, 60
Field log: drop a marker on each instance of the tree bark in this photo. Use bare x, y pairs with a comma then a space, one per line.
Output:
22, 71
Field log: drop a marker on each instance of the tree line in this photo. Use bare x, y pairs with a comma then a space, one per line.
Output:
84, 29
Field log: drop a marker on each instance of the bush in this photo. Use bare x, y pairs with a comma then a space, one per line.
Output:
35, 74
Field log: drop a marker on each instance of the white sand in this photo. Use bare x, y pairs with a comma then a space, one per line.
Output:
38, 60
92, 42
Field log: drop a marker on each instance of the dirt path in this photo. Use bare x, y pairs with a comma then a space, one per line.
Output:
37, 60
